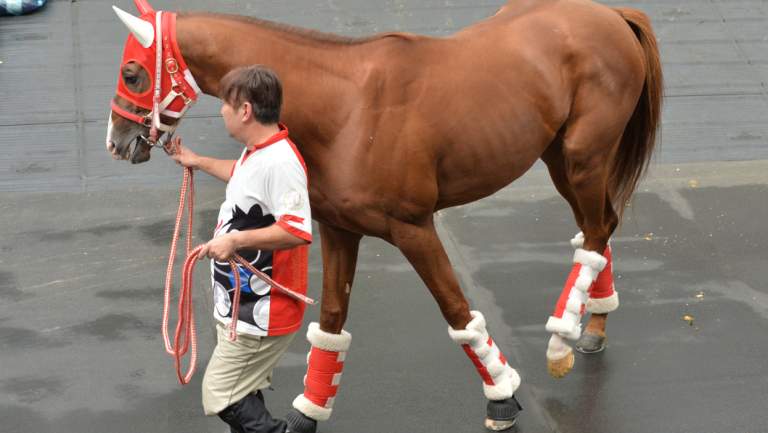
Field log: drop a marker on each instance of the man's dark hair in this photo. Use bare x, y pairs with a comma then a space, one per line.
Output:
257, 85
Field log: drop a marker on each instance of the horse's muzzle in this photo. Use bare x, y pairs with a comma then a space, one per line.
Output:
137, 151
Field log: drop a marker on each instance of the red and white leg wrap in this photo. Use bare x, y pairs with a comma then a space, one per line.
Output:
566, 320
500, 380
325, 363
603, 297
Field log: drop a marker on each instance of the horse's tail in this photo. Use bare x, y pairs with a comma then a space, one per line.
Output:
639, 139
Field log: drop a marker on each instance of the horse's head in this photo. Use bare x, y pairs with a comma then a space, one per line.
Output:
150, 100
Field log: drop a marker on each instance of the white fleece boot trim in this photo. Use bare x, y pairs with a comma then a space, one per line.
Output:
557, 349
505, 379
567, 326
505, 386
584, 281
475, 333
603, 305
574, 305
311, 410
327, 341
594, 260
578, 240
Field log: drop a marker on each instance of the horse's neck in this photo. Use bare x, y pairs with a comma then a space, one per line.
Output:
316, 74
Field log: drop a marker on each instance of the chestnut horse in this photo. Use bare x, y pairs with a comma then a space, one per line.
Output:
397, 126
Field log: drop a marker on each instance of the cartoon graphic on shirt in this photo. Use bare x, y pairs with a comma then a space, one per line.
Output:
254, 293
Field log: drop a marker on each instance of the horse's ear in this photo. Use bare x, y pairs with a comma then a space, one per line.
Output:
142, 30
143, 6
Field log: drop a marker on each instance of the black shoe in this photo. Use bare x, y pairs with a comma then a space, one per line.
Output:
249, 415
502, 414
299, 423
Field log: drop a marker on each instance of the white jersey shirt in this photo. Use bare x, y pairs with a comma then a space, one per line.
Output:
268, 186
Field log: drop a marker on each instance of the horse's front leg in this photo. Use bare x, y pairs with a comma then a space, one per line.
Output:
423, 249
329, 341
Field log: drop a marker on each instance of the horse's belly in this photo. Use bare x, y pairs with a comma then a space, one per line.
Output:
460, 186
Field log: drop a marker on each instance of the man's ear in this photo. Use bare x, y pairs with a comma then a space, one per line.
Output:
247, 111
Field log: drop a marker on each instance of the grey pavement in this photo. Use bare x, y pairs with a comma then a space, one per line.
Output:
83, 244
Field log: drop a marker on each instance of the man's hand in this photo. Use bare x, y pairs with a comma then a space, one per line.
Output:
220, 248
182, 155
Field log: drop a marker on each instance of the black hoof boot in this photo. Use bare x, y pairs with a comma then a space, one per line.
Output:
299, 423
590, 343
502, 414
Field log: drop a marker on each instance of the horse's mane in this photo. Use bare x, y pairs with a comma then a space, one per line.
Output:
313, 35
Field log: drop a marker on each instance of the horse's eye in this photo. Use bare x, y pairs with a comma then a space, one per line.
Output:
130, 79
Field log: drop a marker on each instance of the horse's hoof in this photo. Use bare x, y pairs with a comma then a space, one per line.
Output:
299, 423
502, 414
591, 343
558, 368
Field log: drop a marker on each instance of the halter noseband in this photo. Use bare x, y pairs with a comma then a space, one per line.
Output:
182, 85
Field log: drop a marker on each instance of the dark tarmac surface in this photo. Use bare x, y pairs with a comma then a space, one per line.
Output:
83, 244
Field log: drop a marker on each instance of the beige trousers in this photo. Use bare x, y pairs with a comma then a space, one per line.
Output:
239, 368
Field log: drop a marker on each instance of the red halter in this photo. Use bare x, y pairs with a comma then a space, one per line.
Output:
173, 79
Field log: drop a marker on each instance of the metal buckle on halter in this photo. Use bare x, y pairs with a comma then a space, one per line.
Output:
171, 65
161, 142
178, 91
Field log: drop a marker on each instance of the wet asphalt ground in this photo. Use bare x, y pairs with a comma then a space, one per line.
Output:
83, 244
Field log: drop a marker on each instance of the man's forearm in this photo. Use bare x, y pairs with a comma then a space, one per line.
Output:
273, 237
218, 168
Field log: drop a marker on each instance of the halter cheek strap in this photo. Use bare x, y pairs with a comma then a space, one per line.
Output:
183, 85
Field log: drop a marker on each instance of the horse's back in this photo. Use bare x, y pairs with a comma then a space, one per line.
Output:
477, 109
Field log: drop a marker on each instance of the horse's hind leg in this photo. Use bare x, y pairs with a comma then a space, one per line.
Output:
423, 249
554, 158
587, 146
329, 341
602, 296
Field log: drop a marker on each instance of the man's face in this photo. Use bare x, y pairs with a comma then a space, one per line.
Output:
233, 119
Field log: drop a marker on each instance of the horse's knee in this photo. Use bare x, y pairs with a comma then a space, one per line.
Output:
456, 314
332, 319
596, 238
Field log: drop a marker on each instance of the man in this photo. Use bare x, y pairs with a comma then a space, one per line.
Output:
266, 219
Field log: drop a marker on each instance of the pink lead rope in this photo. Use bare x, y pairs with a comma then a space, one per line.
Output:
185, 335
